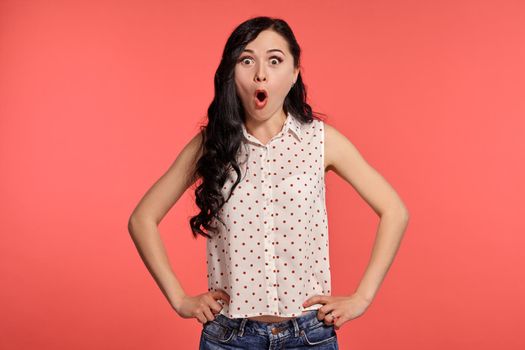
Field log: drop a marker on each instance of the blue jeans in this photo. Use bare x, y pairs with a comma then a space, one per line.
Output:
301, 332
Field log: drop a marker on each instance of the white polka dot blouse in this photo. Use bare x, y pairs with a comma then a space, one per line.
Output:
272, 254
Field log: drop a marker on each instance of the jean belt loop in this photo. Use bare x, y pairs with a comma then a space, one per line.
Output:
295, 327
241, 327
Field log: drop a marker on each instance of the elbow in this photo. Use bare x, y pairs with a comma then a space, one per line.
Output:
406, 214
131, 222
400, 212
136, 222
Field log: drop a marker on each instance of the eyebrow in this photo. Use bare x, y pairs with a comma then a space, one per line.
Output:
271, 50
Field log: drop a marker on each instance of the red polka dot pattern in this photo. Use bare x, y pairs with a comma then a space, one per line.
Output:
273, 253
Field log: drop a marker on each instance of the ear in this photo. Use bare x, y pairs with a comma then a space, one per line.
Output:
296, 73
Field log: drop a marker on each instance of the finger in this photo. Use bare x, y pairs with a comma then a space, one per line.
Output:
214, 306
324, 310
316, 299
310, 301
339, 322
214, 310
208, 314
220, 294
201, 318
329, 319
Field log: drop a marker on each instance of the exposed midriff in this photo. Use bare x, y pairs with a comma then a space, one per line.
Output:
271, 319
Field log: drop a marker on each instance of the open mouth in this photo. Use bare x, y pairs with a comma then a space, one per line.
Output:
260, 98
261, 95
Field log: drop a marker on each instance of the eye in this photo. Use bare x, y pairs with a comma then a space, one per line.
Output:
277, 58
242, 59
272, 59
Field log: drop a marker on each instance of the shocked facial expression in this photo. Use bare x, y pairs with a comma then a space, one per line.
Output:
264, 74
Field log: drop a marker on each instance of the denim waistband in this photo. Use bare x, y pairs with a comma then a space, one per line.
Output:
291, 326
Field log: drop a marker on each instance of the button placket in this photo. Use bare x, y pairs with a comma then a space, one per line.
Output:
268, 225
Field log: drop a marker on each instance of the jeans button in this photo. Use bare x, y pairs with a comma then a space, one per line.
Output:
276, 330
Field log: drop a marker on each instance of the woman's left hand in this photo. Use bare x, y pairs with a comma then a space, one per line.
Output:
338, 310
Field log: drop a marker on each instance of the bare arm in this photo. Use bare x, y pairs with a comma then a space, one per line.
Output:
344, 159
143, 222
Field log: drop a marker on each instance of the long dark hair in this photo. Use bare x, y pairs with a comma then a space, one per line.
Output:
222, 136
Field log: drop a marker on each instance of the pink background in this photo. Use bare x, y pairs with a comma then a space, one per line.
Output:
98, 97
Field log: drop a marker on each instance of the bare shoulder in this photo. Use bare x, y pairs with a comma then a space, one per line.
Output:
184, 164
165, 192
343, 157
335, 143
194, 147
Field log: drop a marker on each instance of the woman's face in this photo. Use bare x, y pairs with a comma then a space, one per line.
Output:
265, 63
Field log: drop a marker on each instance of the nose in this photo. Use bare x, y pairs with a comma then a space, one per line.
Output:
260, 76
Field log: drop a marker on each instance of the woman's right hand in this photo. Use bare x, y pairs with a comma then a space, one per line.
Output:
203, 307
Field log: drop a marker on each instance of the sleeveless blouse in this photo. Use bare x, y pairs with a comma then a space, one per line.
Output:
273, 253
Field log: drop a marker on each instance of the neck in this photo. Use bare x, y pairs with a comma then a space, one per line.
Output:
268, 128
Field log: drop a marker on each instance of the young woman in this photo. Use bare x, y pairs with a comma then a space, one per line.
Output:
260, 163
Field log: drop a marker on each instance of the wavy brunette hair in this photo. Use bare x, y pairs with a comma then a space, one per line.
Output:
222, 136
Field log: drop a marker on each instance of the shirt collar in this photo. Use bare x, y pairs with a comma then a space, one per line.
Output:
291, 124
